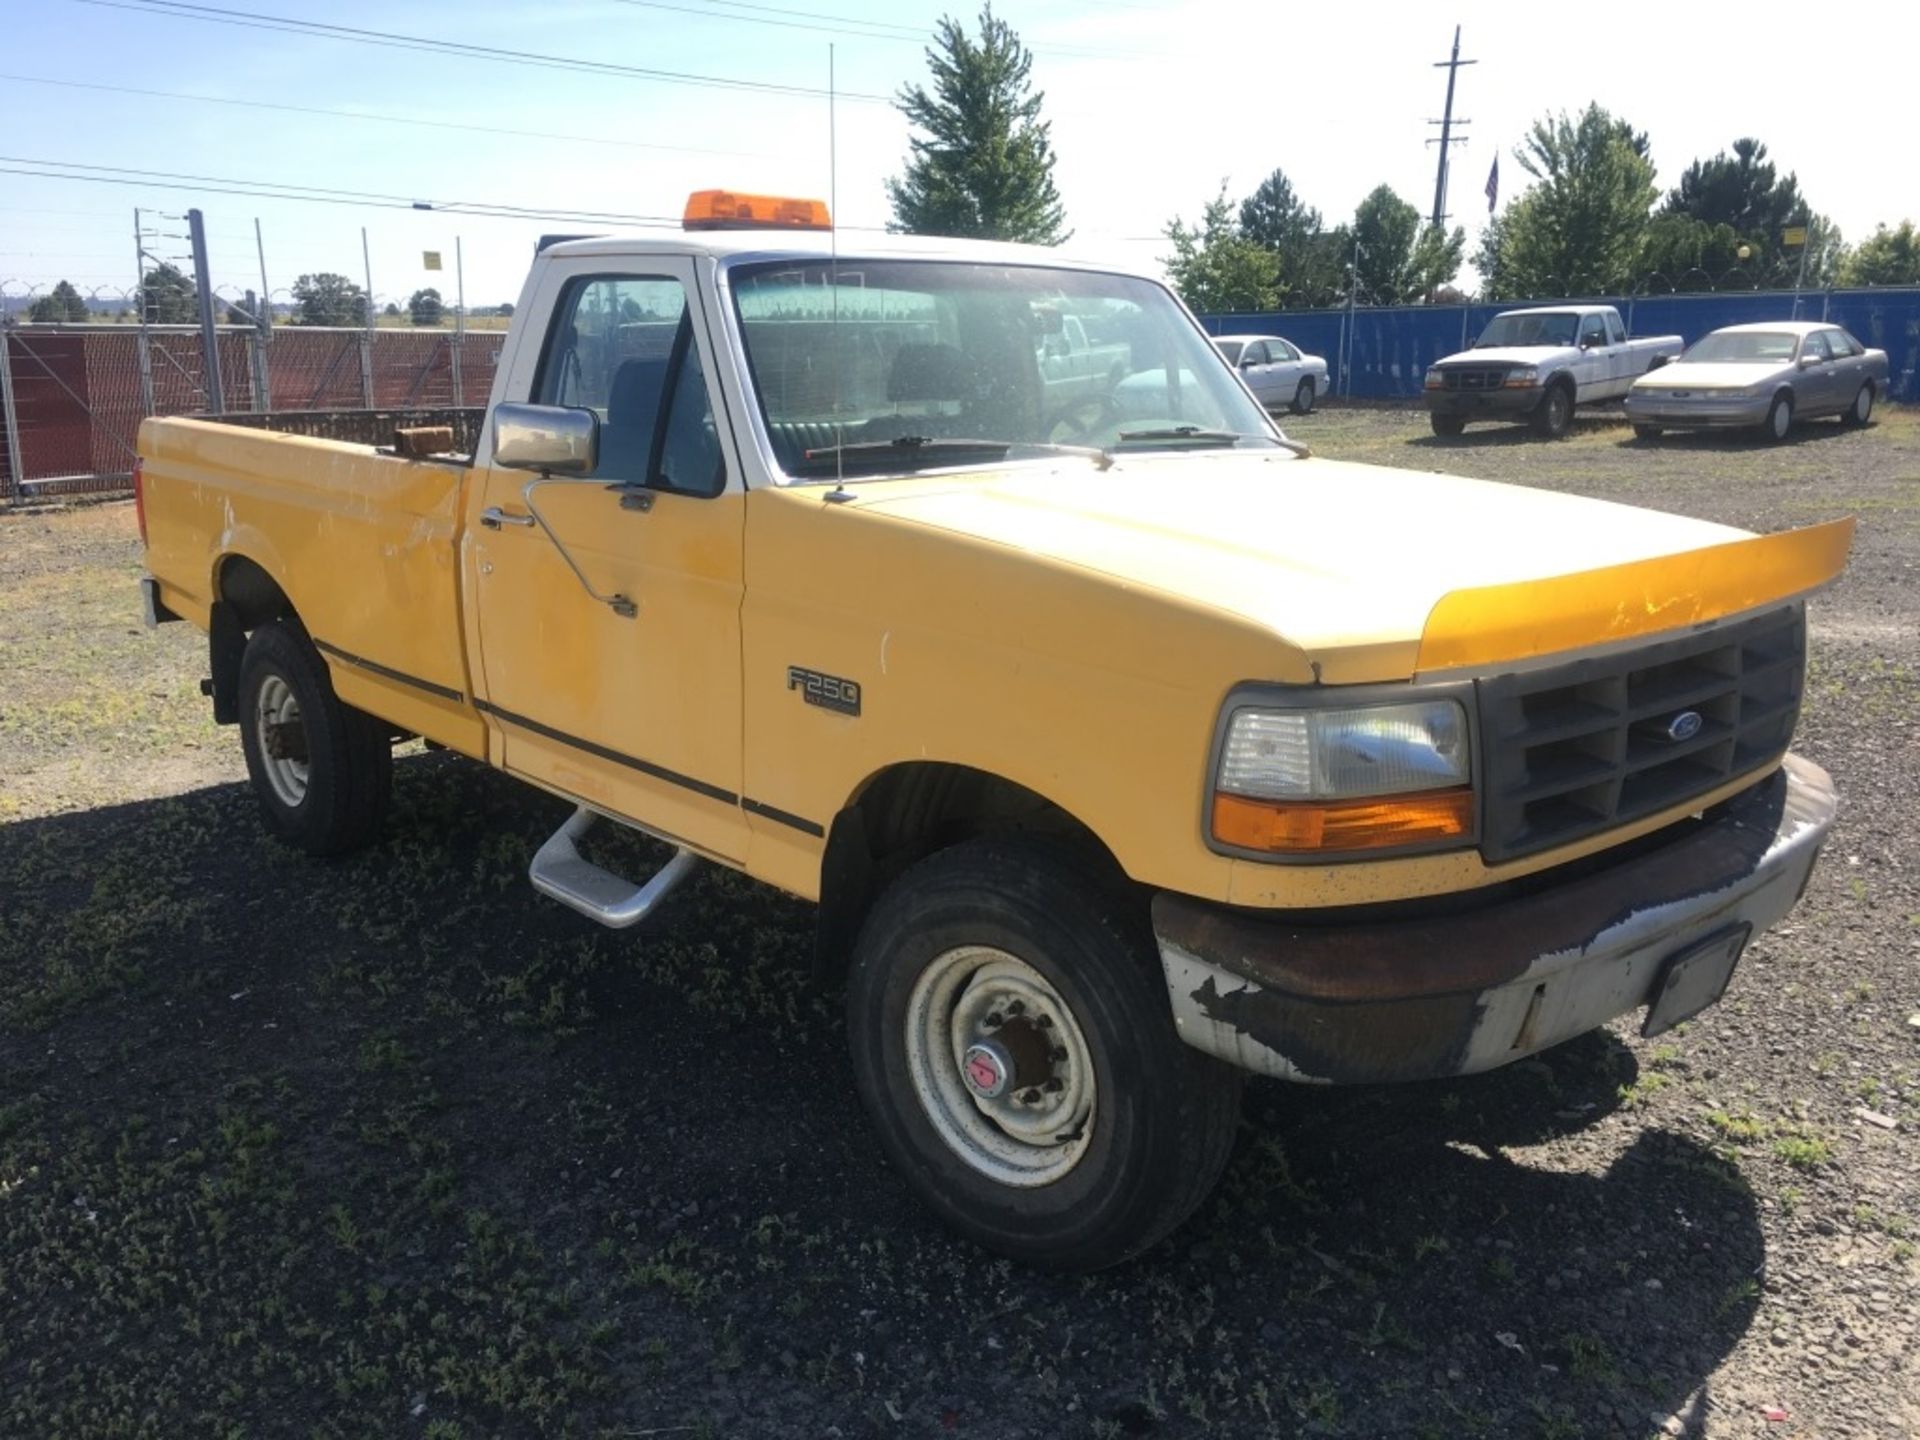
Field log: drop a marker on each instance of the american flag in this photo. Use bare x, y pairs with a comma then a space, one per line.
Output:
1493, 185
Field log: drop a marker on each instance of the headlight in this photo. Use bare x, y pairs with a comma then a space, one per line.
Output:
1307, 781
1434, 380
1523, 376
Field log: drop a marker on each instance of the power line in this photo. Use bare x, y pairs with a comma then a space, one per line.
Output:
383, 119
253, 20
859, 29
326, 195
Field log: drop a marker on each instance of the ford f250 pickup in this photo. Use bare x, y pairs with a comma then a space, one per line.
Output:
1125, 748
1537, 365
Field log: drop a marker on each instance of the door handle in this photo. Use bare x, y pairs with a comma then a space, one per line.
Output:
493, 517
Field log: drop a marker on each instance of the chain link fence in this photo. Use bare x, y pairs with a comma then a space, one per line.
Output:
73, 396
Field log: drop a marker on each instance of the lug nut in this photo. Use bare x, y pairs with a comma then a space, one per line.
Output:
1017, 1007
1030, 1097
1057, 1054
1054, 1085
1045, 1022
995, 1020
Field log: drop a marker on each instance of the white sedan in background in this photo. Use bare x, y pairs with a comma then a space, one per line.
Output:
1276, 370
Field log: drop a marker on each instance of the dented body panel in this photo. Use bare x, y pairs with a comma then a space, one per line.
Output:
1464, 990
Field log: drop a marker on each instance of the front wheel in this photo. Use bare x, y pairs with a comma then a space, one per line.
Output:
1554, 414
1013, 1044
1447, 425
1779, 418
321, 770
1303, 397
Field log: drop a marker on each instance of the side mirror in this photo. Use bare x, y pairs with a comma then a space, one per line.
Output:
550, 439
1807, 362
1247, 362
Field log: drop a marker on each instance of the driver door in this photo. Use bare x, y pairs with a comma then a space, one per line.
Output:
609, 605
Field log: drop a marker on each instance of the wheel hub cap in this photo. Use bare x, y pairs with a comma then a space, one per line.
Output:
988, 1069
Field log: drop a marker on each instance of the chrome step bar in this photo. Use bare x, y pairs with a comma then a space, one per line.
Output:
561, 873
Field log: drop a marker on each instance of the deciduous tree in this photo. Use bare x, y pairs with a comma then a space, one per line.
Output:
1217, 268
1886, 257
1399, 259
62, 304
425, 306
328, 299
981, 158
1579, 228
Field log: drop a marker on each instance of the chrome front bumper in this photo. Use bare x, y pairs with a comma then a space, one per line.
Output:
1471, 989
1735, 410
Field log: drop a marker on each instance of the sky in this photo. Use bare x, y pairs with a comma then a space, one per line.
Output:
1153, 106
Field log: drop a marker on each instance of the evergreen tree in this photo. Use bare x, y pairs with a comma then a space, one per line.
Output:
1276, 219
982, 161
425, 307
62, 304
1742, 195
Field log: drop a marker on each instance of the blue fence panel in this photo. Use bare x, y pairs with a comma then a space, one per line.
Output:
1389, 348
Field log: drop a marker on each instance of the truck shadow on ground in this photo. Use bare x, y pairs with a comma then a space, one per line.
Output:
392, 1132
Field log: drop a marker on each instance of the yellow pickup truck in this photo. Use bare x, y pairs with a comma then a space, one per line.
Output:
1125, 746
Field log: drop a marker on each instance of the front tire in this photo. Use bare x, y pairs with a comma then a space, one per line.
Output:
1014, 1047
321, 770
1860, 412
1553, 416
1303, 397
1447, 426
1779, 421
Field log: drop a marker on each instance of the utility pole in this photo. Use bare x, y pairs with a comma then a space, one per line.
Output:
209, 336
1447, 125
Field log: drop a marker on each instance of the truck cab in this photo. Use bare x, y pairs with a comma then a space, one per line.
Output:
1124, 746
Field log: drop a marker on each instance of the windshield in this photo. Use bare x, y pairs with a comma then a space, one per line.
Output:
1775, 346
1553, 327
943, 363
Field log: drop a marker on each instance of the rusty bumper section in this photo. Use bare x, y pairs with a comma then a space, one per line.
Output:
1450, 994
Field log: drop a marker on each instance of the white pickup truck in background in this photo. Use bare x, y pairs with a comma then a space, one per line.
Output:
1072, 365
1537, 365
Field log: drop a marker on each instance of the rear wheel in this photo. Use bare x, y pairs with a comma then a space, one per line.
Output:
1779, 419
1861, 411
1646, 432
1303, 397
1013, 1044
1554, 414
1448, 425
321, 770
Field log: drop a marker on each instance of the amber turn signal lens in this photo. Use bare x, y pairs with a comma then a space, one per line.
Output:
729, 210
1324, 826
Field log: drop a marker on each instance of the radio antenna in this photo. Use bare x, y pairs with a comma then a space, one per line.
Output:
833, 281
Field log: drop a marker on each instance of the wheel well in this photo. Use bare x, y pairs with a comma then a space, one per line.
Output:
245, 598
906, 813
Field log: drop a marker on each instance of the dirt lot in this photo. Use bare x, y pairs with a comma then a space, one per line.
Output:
392, 1147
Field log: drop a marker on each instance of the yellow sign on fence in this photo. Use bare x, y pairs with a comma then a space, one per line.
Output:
431, 258
1792, 235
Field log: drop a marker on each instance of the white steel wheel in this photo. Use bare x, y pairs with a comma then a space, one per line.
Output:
284, 760
1863, 405
1000, 1066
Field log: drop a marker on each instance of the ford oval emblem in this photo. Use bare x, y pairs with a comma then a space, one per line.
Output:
1684, 726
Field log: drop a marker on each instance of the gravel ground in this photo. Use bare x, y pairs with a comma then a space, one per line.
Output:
392, 1147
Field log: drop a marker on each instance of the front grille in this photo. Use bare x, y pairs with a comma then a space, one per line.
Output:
1580, 748
1473, 377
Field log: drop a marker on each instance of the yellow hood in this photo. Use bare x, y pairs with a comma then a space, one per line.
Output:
1346, 562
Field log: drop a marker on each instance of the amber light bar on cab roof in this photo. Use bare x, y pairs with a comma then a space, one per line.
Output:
730, 210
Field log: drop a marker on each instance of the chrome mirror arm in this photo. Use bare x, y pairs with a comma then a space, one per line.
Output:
621, 605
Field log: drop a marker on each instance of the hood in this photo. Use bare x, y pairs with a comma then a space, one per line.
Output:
1505, 355
1345, 562
1711, 375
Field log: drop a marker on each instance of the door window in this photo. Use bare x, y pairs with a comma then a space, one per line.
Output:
1814, 345
1593, 331
1282, 350
1254, 354
1616, 332
1840, 344
623, 347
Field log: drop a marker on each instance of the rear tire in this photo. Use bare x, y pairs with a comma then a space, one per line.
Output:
1860, 413
1447, 425
1303, 398
321, 770
1779, 422
1646, 432
1105, 1130
1553, 416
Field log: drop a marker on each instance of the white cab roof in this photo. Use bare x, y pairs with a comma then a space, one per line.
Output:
776, 244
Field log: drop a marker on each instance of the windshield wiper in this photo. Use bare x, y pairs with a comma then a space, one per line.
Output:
916, 446
1192, 434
